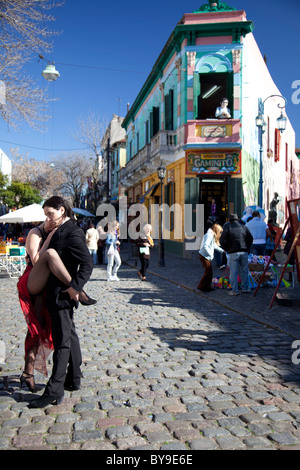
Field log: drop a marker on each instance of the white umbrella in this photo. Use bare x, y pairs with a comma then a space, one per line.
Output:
31, 213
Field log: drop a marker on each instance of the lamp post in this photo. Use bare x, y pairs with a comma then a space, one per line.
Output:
161, 172
261, 124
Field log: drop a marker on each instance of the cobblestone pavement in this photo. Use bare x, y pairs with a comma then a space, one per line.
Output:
164, 368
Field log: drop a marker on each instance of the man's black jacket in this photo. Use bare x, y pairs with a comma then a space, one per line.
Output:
236, 237
69, 242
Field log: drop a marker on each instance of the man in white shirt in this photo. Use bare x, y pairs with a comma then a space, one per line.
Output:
260, 232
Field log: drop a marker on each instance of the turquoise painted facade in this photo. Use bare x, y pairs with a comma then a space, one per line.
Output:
210, 55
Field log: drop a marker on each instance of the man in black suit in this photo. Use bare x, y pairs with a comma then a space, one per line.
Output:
69, 242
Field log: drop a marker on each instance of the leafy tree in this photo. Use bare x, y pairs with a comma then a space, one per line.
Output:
19, 195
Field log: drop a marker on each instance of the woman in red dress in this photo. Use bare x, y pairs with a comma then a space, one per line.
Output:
41, 262
38, 341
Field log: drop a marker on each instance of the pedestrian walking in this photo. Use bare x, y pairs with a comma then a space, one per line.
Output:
61, 297
260, 232
144, 243
236, 240
101, 243
112, 251
92, 237
210, 243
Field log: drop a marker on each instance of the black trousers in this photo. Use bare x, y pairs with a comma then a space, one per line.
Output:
67, 354
144, 265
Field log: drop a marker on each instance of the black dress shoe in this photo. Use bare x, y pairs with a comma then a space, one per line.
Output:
71, 388
87, 300
45, 400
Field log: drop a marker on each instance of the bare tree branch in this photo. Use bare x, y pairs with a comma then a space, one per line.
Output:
23, 33
75, 169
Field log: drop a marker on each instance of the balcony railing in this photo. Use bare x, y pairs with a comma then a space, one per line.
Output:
212, 131
162, 145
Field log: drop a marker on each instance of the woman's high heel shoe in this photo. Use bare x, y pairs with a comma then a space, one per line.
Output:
28, 379
86, 300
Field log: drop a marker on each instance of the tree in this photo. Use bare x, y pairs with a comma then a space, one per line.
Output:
75, 170
23, 33
91, 129
19, 195
41, 175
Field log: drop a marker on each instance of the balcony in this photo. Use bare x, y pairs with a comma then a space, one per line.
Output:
213, 131
162, 146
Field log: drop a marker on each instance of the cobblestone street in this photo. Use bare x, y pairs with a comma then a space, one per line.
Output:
163, 369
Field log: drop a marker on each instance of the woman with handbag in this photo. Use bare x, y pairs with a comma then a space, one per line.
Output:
112, 251
209, 244
144, 244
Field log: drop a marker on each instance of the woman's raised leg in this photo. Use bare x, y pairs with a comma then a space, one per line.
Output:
49, 262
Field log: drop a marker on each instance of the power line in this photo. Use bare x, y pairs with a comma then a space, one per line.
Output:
100, 68
40, 148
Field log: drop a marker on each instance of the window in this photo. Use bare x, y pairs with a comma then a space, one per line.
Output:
209, 90
169, 111
277, 145
154, 122
130, 150
147, 132
170, 200
137, 142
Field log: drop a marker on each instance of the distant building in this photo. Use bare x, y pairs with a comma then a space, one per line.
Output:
210, 55
6, 169
5, 165
112, 161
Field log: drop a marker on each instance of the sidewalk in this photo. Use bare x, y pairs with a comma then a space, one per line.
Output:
186, 273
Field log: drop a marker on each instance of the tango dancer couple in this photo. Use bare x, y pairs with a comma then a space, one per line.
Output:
58, 266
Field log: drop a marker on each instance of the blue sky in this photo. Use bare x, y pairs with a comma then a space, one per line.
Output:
107, 49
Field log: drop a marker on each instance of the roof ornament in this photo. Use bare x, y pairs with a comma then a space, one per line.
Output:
214, 6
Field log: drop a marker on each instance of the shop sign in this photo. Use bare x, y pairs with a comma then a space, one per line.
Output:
213, 163
213, 131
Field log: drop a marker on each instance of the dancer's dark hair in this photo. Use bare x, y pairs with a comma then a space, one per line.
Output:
56, 202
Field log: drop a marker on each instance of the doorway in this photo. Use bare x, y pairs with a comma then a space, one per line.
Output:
214, 196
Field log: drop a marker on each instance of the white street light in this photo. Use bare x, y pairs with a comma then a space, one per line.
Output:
50, 73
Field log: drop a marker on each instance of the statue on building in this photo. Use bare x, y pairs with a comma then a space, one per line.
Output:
223, 112
273, 208
214, 5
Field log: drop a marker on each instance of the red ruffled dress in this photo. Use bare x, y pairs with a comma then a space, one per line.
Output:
38, 337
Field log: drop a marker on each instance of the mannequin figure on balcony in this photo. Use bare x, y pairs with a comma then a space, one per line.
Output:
223, 112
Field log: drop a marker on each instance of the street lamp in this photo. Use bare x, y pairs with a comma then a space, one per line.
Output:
161, 172
50, 73
261, 124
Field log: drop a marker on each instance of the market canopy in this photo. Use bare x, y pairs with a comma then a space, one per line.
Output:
28, 214
82, 212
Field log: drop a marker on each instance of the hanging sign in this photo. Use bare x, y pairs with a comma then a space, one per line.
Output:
212, 163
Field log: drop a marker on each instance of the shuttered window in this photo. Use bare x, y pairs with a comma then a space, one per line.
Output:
277, 145
169, 111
